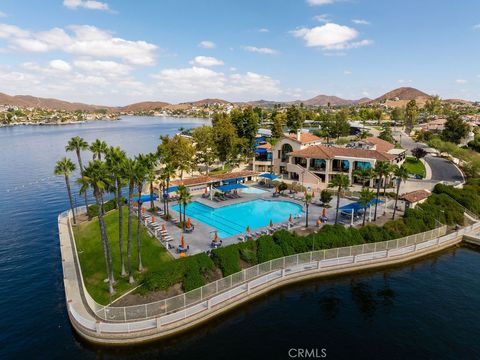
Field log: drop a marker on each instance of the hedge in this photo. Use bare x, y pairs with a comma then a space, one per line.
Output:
227, 259
107, 206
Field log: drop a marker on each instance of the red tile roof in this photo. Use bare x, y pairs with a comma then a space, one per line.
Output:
381, 145
304, 137
264, 146
415, 196
203, 179
330, 152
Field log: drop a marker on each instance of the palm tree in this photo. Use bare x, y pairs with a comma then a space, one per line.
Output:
98, 147
273, 142
65, 167
115, 159
184, 199
97, 176
341, 182
78, 144
307, 200
381, 170
364, 175
366, 197
130, 174
151, 177
401, 174
168, 172
142, 162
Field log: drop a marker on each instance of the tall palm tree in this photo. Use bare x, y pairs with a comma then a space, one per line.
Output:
366, 197
151, 178
142, 164
97, 176
115, 159
78, 144
401, 175
381, 170
364, 175
168, 172
273, 142
386, 176
184, 199
341, 182
65, 167
98, 147
130, 174
307, 200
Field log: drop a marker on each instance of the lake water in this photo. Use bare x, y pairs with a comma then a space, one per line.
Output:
425, 310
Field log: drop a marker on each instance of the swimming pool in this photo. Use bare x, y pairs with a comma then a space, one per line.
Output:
234, 219
253, 190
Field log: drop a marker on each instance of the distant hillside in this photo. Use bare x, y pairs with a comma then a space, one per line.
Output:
403, 93
53, 104
145, 106
324, 100
206, 102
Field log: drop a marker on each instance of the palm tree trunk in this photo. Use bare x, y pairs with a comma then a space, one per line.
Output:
385, 195
184, 213
80, 165
106, 246
306, 216
396, 200
364, 215
139, 257
338, 205
378, 195
129, 232
152, 205
120, 225
168, 185
70, 199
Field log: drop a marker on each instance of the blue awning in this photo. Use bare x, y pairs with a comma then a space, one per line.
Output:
260, 150
230, 187
145, 197
356, 206
268, 176
232, 181
172, 189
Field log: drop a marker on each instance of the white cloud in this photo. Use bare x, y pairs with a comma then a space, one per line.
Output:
86, 4
461, 81
235, 69
402, 81
322, 18
2, 14
361, 22
347, 72
263, 30
206, 61
82, 40
207, 44
330, 36
320, 2
60, 65
108, 68
263, 50
476, 27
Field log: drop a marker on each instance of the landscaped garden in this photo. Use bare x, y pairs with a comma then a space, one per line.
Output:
415, 166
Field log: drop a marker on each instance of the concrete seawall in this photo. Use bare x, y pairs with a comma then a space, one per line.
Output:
95, 330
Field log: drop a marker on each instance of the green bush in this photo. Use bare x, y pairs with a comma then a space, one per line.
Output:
227, 259
373, 233
469, 196
107, 206
267, 249
248, 252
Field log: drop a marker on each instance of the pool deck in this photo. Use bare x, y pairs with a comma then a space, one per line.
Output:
200, 239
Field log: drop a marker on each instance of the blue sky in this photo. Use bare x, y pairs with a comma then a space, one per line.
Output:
117, 52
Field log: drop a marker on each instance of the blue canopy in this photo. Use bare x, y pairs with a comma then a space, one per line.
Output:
145, 197
356, 206
230, 187
260, 150
172, 189
232, 181
268, 176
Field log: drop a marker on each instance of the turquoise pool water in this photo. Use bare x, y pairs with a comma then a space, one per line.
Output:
253, 190
234, 219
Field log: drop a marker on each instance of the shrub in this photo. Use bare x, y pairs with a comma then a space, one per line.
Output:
248, 252
373, 233
267, 249
227, 259
107, 206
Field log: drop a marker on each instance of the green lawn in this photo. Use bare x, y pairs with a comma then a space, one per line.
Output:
414, 166
90, 252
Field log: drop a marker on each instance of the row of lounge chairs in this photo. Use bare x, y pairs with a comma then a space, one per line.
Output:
226, 196
267, 231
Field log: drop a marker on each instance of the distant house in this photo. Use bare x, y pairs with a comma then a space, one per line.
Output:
411, 199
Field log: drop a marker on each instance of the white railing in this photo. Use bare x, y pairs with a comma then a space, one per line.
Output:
156, 314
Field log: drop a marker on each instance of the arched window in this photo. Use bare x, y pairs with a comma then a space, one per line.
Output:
286, 148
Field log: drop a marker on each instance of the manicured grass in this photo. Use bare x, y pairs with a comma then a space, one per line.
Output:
90, 252
414, 166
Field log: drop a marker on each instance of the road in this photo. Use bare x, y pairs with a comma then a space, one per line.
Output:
442, 169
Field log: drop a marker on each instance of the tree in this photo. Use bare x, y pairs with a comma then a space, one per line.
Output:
273, 142
246, 122
341, 126
419, 153
65, 167
167, 173
401, 175
225, 137
455, 129
78, 144
143, 165
433, 105
398, 114
115, 160
294, 118
205, 149
325, 198
282, 187
129, 173
366, 197
382, 170
307, 200
278, 122
411, 114
364, 174
327, 126
98, 147
386, 134
184, 199
341, 182
97, 176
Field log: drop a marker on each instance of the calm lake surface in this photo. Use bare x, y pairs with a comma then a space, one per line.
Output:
429, 309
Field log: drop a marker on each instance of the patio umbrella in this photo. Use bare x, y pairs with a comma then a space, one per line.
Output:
153, 219
318, 222
163, 227
206, 191
313, 194
290, 218
182, 242
182, 254
189, 223
143, 210
215, 237
324, 212
271, 223
248, 229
